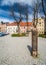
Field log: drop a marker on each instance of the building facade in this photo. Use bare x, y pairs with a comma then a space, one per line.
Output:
12, 27
3, 27
41, 26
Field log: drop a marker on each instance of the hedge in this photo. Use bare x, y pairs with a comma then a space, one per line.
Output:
42, 35
18, 35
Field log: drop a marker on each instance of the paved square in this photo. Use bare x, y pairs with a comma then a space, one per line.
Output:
16, 51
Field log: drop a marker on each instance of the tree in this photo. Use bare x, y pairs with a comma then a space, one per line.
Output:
44, 10
26, 14
44, 7
2, 22
19, 19
36, 10
34, 14
34, 31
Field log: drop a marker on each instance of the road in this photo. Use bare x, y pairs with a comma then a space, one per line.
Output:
16, 51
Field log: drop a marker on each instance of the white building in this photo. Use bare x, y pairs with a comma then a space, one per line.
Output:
12, 27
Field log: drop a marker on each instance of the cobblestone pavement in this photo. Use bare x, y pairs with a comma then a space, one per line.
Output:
15, 51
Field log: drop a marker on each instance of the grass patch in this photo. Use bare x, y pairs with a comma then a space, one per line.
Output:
42, 35
18, 35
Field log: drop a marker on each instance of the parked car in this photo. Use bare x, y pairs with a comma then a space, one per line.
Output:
1, 34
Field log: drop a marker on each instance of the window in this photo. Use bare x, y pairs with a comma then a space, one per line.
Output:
42, 28
42, 32
24, 26
14, 28
40, 23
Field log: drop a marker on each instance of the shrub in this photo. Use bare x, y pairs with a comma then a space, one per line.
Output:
42, 35
45, 33
24, 34
18, 35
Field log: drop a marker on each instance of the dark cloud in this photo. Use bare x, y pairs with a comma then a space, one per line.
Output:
16, 6
1, 2
16, 9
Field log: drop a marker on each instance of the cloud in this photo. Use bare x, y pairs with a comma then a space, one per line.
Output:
7, 2
4, 9
30, 17
41, 14
5, 19
4, 14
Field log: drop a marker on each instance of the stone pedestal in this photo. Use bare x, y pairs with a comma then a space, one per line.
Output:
34, 43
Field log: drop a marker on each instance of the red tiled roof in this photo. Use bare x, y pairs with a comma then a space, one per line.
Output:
25, 23
12, 24
21, 24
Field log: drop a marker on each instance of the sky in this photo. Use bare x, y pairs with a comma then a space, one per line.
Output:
5, 9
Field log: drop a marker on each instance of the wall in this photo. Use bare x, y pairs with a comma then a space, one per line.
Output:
2, 27
11, 29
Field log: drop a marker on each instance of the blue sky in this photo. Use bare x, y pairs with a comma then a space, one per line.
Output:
5, 7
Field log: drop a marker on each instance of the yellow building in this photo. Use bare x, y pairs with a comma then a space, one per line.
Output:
2, 27
41, 26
